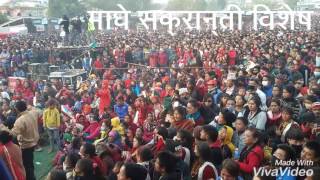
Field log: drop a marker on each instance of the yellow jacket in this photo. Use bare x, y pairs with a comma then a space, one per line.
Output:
228, 139
51, 118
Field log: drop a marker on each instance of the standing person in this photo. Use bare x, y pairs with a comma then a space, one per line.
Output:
26, 130
51, 122
90, 29
105, 97
76, 31
65, 23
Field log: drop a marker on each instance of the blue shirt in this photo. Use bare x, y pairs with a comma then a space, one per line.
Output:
121, 110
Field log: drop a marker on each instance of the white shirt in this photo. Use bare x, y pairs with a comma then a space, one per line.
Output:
263, 99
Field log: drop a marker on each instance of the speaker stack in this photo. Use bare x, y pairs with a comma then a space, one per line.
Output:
44, 69
33, 68
39, 71
53, 68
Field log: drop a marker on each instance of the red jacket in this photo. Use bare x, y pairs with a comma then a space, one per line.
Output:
98, 64
105, 97
232, 54
93, 130
27, 94
253, 159
127, 83
143, 111
232, 57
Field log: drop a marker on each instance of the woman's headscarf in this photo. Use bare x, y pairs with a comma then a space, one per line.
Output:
228, 139
116, 125
116, 136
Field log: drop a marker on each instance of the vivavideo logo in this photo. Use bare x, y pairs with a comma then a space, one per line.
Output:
283, 171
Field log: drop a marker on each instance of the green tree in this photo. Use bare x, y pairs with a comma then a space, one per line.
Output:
179, 5
291, 3
187, 5
71, 8
200, 5
216, 5
3, 18
272, 4
130, 5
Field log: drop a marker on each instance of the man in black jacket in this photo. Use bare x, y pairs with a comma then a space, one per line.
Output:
65, 26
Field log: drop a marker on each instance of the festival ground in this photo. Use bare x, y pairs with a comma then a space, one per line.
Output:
42, 163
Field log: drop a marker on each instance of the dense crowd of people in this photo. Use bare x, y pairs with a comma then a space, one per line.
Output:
196, 105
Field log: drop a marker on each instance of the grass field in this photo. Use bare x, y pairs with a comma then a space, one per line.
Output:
42, 163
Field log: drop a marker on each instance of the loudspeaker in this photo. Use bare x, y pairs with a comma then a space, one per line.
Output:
44, 69
53, 68
34, 68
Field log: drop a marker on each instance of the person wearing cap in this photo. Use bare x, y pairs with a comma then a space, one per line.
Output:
230, 85
214, 91
183, 96
253, 87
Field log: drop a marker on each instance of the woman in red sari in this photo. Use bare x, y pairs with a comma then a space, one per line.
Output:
12, 155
